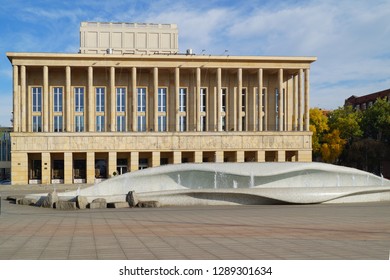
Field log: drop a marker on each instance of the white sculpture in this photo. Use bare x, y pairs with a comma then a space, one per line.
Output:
241, 183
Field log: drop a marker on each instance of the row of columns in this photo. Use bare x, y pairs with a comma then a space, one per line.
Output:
133, 163
300, 112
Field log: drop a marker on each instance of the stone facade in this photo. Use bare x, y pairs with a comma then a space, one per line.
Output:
86, 117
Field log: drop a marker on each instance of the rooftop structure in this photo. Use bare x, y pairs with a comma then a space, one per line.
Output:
128, 38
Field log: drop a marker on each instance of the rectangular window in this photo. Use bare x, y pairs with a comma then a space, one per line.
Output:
162, 99
36, 99
243, 123
182, 100
203, 124
141, 123
37, 123
264, 100
100, 92
57, 99
243, 100
121, 99
120, 123
57, 123
100, 123
203, 99
182, 123
263, 107
162, 123
223, 123
223, 101
79, 123
141, 94
79, 99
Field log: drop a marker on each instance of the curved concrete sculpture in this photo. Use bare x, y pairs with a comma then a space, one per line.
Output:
242, 183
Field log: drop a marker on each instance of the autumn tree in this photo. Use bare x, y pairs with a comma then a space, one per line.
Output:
318, 125
350, 137
327, 143
332, 146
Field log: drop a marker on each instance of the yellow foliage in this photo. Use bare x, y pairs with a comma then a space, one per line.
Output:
332, 146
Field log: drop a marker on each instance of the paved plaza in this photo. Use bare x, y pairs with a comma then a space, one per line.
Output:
304, 232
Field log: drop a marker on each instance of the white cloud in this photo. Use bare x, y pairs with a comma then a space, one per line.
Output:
348, 37
197, 29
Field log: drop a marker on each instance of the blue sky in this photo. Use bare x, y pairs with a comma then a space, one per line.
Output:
351, 38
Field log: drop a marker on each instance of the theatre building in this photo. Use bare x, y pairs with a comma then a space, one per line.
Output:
129, 100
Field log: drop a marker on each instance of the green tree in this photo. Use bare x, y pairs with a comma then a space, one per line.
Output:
376, 121
347, 121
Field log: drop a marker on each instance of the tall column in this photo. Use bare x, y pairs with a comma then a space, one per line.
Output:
90, 167
260, 156
112, 156
285, 107
129, 104
300, 121
177, 98
212, 109
281, 156
240, 156
16, 96
68, 168
19, 166
198, 156
219, 156
134, 161
252, 114
91, 101
280, 99
155, 159
197, 98
266, 110
134, 95
24, 105
68, 96
239, 97
155, 93
45, 99
219, 99
295, 103
176, 157
112, 99
260, 94
46, 168
307, 102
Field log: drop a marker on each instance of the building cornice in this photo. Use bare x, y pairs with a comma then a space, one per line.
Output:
169, 61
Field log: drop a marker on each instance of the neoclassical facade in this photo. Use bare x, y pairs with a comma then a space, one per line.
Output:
86, 117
